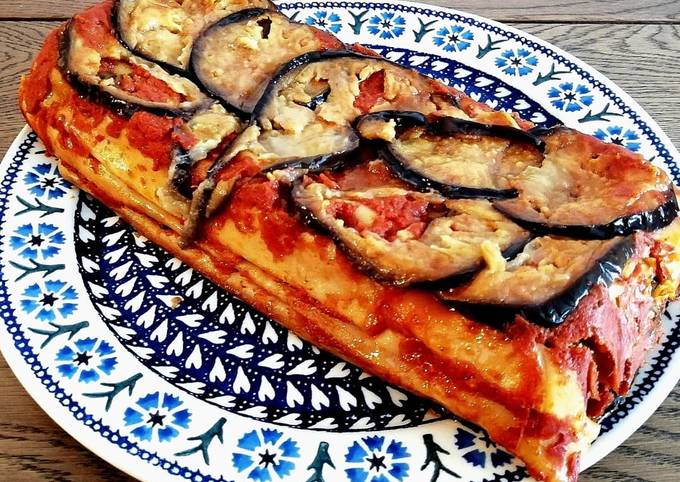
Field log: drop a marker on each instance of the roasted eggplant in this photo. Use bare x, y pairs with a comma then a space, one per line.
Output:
588, 189
306, 115
458, 158
545, 282
309, 106
256, 41
404, 237
108, 72
164, 30
198, 140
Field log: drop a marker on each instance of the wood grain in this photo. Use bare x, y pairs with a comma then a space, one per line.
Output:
660, 11
641, 56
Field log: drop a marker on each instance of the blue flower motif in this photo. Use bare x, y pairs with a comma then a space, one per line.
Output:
37, 242
87, 358
44, 179
569, 97
265, 453
479, 449
48, 299
158, 414
386, 25
519, 62
455, 38
326, 20
375, 460
616, 135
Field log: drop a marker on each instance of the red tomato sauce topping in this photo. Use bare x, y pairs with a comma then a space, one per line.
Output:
371, 91
136, 80
258, 206
152, 135
392, 214
327, 41
95, 27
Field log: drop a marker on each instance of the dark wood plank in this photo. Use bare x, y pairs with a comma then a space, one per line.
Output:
19, 43
516, 10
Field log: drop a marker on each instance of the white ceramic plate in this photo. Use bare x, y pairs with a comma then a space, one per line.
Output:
160, 373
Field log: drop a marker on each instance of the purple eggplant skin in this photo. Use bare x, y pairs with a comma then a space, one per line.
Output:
115, 21
240, 16
556, 311
402, 119
423, 184
121, 107
307, 217
652, 220
290, 67
311, 57
446, 126
180, 170
464, 277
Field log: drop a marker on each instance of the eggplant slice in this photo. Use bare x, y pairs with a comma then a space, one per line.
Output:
256, 41
588, 189
164, 30
305, 117
456, 157
546, 281
404, 237
205, 134
111, 74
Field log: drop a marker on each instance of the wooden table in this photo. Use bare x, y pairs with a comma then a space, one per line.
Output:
634, 42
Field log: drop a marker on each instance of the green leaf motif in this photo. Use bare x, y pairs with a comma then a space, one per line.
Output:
358, 21
491, 45
115, 389
432, 457
59, 330
39, 206
204, 441
424, 29
321, 459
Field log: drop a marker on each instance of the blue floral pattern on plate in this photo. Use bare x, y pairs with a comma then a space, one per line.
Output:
570, 97
377, 459
519, 62
627, 138
386, 25
88, 358
326, 20
37, 241
49, 300
157, 406
454, 38
162, 416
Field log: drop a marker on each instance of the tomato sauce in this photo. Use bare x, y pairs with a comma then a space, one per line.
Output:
392, 214
327, 41
38, 82
371, 91
364, 50
152, 136
258, 206
139, 82
95, 27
